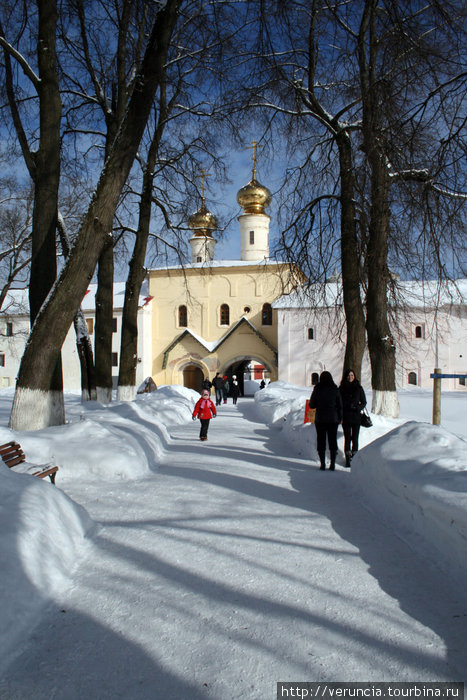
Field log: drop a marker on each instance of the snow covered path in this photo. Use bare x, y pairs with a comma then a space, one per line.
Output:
236, 565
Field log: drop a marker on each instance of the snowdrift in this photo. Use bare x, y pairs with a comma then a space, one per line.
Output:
414, 478
123, 440
410, 474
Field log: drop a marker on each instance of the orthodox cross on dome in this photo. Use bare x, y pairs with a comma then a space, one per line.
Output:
203, 175
254, 146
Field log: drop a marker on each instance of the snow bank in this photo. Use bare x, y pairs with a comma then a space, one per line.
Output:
43, 532
123, 440
42, 538
412, 474
414, 478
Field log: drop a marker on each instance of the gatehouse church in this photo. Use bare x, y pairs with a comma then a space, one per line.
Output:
217, 315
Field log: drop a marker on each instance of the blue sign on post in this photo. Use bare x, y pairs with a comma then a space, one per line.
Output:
448, 376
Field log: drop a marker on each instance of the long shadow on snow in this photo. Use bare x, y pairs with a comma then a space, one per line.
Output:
71, 654
423, 591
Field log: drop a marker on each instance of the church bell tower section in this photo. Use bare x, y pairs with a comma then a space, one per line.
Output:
254, 222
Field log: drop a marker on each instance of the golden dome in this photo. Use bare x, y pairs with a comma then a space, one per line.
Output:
202, 222
254, 198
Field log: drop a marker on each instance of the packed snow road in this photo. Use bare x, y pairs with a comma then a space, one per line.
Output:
238, 564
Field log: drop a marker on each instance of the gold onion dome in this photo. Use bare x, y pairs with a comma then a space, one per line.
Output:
254, 198
202, 222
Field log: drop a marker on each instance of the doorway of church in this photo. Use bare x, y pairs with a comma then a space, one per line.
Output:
193, 378
247, 372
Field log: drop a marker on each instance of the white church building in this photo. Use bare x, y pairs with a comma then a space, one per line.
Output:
431, 332
15, 327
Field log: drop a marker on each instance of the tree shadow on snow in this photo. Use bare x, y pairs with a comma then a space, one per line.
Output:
71, 656
422, 590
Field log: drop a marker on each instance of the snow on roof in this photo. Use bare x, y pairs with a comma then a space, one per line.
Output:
218, 263
414, 293
17, 300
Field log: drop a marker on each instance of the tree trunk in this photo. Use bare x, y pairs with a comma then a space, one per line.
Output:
350, 263
83, 341
86, 358
137, 272
32, 401
380, 343
46, 181
103, 326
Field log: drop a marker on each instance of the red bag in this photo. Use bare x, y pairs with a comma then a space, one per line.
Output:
309, 413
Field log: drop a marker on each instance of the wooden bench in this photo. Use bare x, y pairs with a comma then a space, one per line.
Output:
14, 458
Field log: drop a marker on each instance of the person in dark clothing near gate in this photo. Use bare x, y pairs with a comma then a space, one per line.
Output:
327, 401
218, 384
207, 384
353, 402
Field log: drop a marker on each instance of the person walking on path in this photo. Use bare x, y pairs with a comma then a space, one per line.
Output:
218, 383
327, 401
225, 388
353, 402
207, 384
204, 410
235, 389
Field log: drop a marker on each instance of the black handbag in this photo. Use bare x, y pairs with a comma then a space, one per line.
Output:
365, 420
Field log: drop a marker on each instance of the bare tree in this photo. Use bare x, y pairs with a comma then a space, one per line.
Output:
15, 236
33, 405
44, 168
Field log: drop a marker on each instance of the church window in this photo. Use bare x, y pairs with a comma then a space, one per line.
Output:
419, 331
252, 237
311, 334
9, 329
90, 325
314, 378
247, 310
115, 359
266, 315
182, 316
114, 325
413, 378
225, 315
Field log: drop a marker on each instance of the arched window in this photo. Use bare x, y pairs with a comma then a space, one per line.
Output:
413, 378
314, 378
266, 315
182, 316
419, 332
225, 315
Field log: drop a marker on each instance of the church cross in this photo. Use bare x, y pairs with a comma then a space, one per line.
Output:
254, 146
203, 175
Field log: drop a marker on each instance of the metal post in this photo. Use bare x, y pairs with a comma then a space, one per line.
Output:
437, 398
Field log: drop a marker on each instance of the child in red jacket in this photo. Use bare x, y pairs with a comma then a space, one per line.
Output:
204, 410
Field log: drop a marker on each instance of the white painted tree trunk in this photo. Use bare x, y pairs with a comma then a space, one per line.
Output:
34, 409
104, 394
385, 403
126, 393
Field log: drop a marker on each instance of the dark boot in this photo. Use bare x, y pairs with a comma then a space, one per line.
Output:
348, 459
322, 461
332, 466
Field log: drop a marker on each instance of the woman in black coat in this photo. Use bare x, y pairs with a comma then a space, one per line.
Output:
353, 401
326, 399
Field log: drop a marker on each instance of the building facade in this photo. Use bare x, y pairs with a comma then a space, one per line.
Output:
217, 316
430, 331
15, 327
